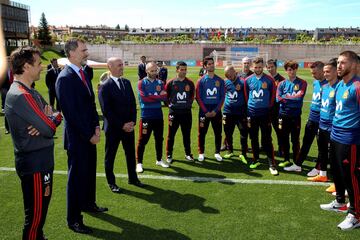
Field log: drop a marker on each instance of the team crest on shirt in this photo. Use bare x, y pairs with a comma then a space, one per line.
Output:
187, 88
332, 94
296, 87
158, 88
237, 87
264, 85
176, 88
346, 94
217, 83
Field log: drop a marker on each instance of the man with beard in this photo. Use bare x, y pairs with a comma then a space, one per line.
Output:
151, 94
260, 93
345, 134
210, 95
82, 132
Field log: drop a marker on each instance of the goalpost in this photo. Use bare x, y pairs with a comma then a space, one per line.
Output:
234, 58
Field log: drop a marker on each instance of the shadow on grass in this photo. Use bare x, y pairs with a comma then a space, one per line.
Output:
130, 230
173, 201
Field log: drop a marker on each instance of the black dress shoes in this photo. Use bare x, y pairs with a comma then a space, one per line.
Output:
137, 183
114, 188
95, 209
80, 228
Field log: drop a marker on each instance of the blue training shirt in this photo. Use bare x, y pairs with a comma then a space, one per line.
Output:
315, 106
210, 93
150, 98
346, 122
290, 95
259, 94
328, 105
234, 97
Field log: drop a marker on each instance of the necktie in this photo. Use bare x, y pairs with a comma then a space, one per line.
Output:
83, 79
121, 84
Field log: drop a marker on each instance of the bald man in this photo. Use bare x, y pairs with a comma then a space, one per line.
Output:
151, 94
234, 112
118, 105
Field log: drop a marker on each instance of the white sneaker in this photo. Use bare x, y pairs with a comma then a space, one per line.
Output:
293, 168
139, 168
349, 223
273, 171
169, 159
189, 158
162, 163
201, 157
334, 206
218, 157
313, 172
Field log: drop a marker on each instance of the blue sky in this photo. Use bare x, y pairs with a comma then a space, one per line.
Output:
302, 14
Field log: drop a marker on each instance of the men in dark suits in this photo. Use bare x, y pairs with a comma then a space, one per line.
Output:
50, 79
118, 105
142, 68
162, 72
82, 132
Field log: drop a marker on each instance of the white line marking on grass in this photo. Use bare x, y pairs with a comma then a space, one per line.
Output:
203, 179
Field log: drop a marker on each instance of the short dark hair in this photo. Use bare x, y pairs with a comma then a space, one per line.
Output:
20, 56
142, 57
71, 45
207, 59
291, 64
352, 56
180, 64
272, 61
317, 64
332, 62
258, 60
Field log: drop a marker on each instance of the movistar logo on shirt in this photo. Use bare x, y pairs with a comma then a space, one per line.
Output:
316, 96
339, 105
181, 96
233, 95
212, 92
257, 94
325, 104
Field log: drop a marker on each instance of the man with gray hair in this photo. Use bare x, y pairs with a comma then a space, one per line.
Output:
246, 72
82, 132
118, 106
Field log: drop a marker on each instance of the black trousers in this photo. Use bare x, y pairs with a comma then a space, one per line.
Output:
52, 98
37, 190
146, 127
323, 145
346, 170
81, 186
275, 123
290, 126
184, 121
230, 121
113, 139
203, 127
311, 131
263, 123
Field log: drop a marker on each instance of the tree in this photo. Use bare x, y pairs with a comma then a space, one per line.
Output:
43, 31
117, 27
127, 27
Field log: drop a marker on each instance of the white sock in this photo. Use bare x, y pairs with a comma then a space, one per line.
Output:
323, 173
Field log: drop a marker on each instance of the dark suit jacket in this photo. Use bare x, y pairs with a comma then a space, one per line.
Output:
142, 70
78, 107
89, 71
50, 78
118, 105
